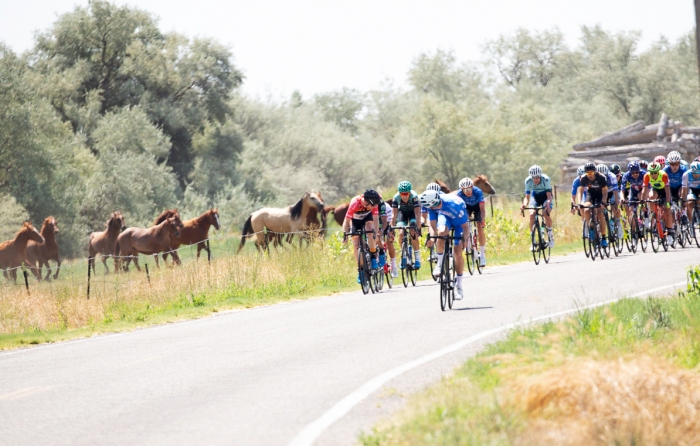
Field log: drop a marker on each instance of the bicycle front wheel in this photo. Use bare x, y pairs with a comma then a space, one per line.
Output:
535, 245
413, 274
363, 273
655, 236
469, 259
587, 246
546, 249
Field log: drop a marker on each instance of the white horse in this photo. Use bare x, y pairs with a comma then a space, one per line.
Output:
280, 220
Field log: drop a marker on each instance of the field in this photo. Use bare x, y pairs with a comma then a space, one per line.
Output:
621, 374
60, 309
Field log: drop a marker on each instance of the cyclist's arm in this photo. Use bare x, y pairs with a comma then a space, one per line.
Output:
416, 212
375, 219
616, 194
466, 231
482, 208
526, 200
605, 194
579, 195
667, 188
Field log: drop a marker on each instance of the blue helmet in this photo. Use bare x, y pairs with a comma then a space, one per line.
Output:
633, 166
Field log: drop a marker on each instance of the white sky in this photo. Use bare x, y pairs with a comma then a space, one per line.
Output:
321, 45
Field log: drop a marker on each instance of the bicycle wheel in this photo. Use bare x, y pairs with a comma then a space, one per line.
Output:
644, 239
546, 250
413, 274
535, 244
404, 261
585, 236
596, 249
380, 279
654, 235
364, 276
449, 259
695, 227
469, 259
432, 260
445, 284
389, 278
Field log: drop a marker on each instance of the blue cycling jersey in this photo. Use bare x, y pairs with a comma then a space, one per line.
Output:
691, 181
476, 198
675, 179
629, 182
452, 207
575, 185
544, 186
612, 182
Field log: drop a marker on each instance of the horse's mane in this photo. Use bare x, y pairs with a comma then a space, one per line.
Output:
163, 215
297, 207
26, 227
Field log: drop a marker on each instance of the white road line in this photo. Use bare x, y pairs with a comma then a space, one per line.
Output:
313, 430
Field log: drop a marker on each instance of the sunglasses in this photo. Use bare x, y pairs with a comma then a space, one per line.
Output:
404, 194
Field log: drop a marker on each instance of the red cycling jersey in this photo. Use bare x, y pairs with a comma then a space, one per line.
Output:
357, 210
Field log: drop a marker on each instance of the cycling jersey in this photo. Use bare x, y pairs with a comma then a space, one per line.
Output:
386, 211
595, 186
476, 197
675, 179
358, 212
629, 182
545, 185
406, 206
612, 182
659, 183
690, 180
451, 215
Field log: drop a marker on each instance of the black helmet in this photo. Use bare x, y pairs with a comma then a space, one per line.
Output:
372, 197
615, 168
589, 167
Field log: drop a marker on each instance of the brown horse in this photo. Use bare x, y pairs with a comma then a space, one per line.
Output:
150, 241
280, 220
194, 231
480, 181
105, 242
312, 224
40, 253
13, 253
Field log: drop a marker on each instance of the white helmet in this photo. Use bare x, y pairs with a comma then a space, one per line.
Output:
602, 169
465, 183
581, 171
535, 170
673, 157
429, 199
433, 186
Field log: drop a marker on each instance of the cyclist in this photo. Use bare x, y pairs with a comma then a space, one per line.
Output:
363, 212
691, 187
632, 185
574, 188
387, 237
643, 165
616, 170
613, 195
656, 187
447, 212
408, 213
426, 217
597, 186
675, 172
661, 160
473, 198
538, 192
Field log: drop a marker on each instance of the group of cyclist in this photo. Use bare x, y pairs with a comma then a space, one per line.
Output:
666, 180
441, 213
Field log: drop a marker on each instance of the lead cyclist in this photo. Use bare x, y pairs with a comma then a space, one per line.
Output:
538, 192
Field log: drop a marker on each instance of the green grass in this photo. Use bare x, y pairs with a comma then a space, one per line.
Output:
484, 401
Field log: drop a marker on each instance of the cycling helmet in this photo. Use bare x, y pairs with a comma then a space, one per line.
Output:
654, 167
674, 157
535, 170
589, 167
372, 197
684, 163
615, 168
580, 171
465, 183
643, 164
661, 160
433, 186
602, 169
633, 166
697, 158
429, 199
405, 186
695, 166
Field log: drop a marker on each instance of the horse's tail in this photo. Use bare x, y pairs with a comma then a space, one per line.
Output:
247, 231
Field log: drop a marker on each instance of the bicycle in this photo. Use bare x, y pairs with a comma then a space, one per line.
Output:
408, 273
368, 279
540, 245
432, 256
591, 233
471, 251
658, 231
637, 233
447, 276
612, 227
694, 225
627, 236
680, 227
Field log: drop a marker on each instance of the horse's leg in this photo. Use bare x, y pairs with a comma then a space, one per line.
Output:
13, 274
104, 261
58, 267
136, 262
176, 258
35, 270
48, 271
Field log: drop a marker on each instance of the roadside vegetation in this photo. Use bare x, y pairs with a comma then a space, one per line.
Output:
625, 373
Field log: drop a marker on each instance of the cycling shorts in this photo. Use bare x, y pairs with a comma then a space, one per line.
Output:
359, 223
476, 210
405, 218
595, 198
693, 193
445, 222
675, 193
538, 199
633, 195
660, 194
611, 197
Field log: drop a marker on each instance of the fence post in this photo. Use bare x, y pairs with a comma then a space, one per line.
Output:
89, 274
148, 275
491, 201
208, 252
26, 280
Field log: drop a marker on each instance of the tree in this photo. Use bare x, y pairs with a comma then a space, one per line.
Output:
342, 107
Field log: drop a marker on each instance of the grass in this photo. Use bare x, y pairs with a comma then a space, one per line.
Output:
59, 309
622, 374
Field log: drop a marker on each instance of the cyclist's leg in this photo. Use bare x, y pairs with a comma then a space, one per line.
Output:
443, 230
392, 252
415, 242
458, 253
372, 240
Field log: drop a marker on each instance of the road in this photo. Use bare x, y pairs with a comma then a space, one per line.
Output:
267, 376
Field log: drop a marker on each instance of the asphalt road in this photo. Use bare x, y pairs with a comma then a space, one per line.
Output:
274, 375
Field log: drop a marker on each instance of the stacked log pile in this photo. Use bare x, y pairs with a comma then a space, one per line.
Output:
637, 141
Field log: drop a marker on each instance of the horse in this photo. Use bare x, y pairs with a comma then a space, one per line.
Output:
149, 241
279, 220
193, 231
13, 253
105, 242
480, 181
340, 212
40, 253
312, 224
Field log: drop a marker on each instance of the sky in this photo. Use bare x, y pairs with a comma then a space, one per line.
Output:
317, 46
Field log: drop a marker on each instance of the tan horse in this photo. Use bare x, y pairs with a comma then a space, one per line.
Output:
194, 231
280, 220
105, 242
13, 253
149, 241
40, 253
